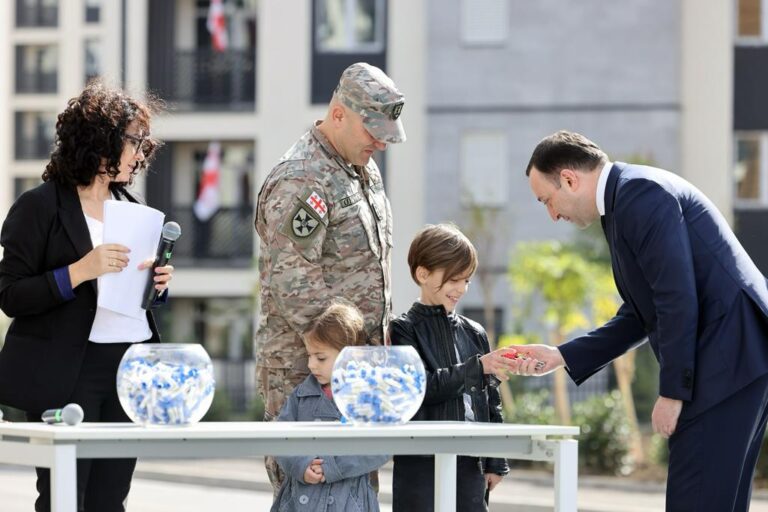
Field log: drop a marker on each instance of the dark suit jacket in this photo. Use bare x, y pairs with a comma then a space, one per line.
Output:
687, 284
39, 364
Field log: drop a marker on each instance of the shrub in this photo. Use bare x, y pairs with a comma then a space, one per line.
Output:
604, 437
532, 408
761, 470
659, 450
221, 408
256, 409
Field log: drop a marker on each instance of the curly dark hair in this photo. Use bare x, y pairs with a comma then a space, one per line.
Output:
92, 129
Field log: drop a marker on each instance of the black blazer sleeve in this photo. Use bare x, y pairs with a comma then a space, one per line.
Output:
27, 285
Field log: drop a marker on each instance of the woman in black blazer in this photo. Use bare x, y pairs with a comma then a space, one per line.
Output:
61, 347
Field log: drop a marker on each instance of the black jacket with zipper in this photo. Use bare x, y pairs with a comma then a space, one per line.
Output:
433, 333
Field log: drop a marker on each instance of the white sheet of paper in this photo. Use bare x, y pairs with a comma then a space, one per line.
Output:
137, 227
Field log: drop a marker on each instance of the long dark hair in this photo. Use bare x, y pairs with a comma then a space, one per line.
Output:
92, 129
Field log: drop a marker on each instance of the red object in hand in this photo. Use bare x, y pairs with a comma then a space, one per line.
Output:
514, 354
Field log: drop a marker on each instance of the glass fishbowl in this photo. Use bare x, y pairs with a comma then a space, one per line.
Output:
165, 383
374, 385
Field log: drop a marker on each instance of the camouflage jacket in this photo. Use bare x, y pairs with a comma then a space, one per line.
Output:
325, 231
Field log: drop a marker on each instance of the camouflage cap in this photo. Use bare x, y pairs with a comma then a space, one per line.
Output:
365, 89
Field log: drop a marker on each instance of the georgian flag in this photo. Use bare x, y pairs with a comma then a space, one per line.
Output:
217, 26
207, 202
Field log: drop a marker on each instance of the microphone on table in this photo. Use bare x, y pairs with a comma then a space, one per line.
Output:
171, 232
71, 414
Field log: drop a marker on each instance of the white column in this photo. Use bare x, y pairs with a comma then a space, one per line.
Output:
7, 22
136, 36
71, 51
110, 36
406, 162
707, 99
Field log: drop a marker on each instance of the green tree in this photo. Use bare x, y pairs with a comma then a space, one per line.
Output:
559, 278
480, 224
577, 291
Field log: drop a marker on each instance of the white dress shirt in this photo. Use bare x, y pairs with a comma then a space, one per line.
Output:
602, 181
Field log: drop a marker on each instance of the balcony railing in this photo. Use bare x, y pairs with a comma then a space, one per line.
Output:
36, 14
225, 240
209, 80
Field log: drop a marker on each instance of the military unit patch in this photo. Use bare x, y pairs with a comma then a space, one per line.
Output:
303, 224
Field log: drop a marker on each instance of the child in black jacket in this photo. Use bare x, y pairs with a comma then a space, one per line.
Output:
459, 367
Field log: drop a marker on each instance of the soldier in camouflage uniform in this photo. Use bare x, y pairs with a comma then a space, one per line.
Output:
325, 226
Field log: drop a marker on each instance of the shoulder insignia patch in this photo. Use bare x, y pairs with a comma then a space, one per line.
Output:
303, 224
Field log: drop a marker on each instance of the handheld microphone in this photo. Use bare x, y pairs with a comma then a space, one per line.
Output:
71, 414
171, 232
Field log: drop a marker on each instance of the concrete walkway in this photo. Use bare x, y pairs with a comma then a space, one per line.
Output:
241, 485
521, 491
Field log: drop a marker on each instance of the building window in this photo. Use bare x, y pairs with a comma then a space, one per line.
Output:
21, 185
187, 69
750, 174
93, 59
484, 22
752, 21
92, 11
345, 32
483, 164
223, 326
349, 26
34, 133
37, 13
36, 69
224, 236
478, 315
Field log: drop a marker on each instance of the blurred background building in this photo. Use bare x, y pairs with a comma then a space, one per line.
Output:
679, 84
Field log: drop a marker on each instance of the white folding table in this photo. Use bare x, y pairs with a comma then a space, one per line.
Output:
58, 446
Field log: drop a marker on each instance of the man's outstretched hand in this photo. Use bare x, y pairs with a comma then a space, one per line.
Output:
536, 360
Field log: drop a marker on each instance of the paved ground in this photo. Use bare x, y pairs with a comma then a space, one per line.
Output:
240, 485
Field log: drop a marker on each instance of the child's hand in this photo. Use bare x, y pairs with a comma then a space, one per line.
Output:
499, 362
314, 472
492, 479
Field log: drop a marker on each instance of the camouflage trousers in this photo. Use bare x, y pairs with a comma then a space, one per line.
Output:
275, 386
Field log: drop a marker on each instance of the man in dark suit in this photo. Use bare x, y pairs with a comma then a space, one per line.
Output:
689, 287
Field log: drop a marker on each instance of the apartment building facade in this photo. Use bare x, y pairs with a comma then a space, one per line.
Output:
676, 83
253, 98
645, 79
750, 126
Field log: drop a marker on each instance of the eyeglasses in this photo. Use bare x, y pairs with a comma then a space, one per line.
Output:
143, 144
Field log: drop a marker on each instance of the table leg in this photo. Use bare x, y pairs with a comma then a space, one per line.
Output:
566, 459
445, 482
64, 479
